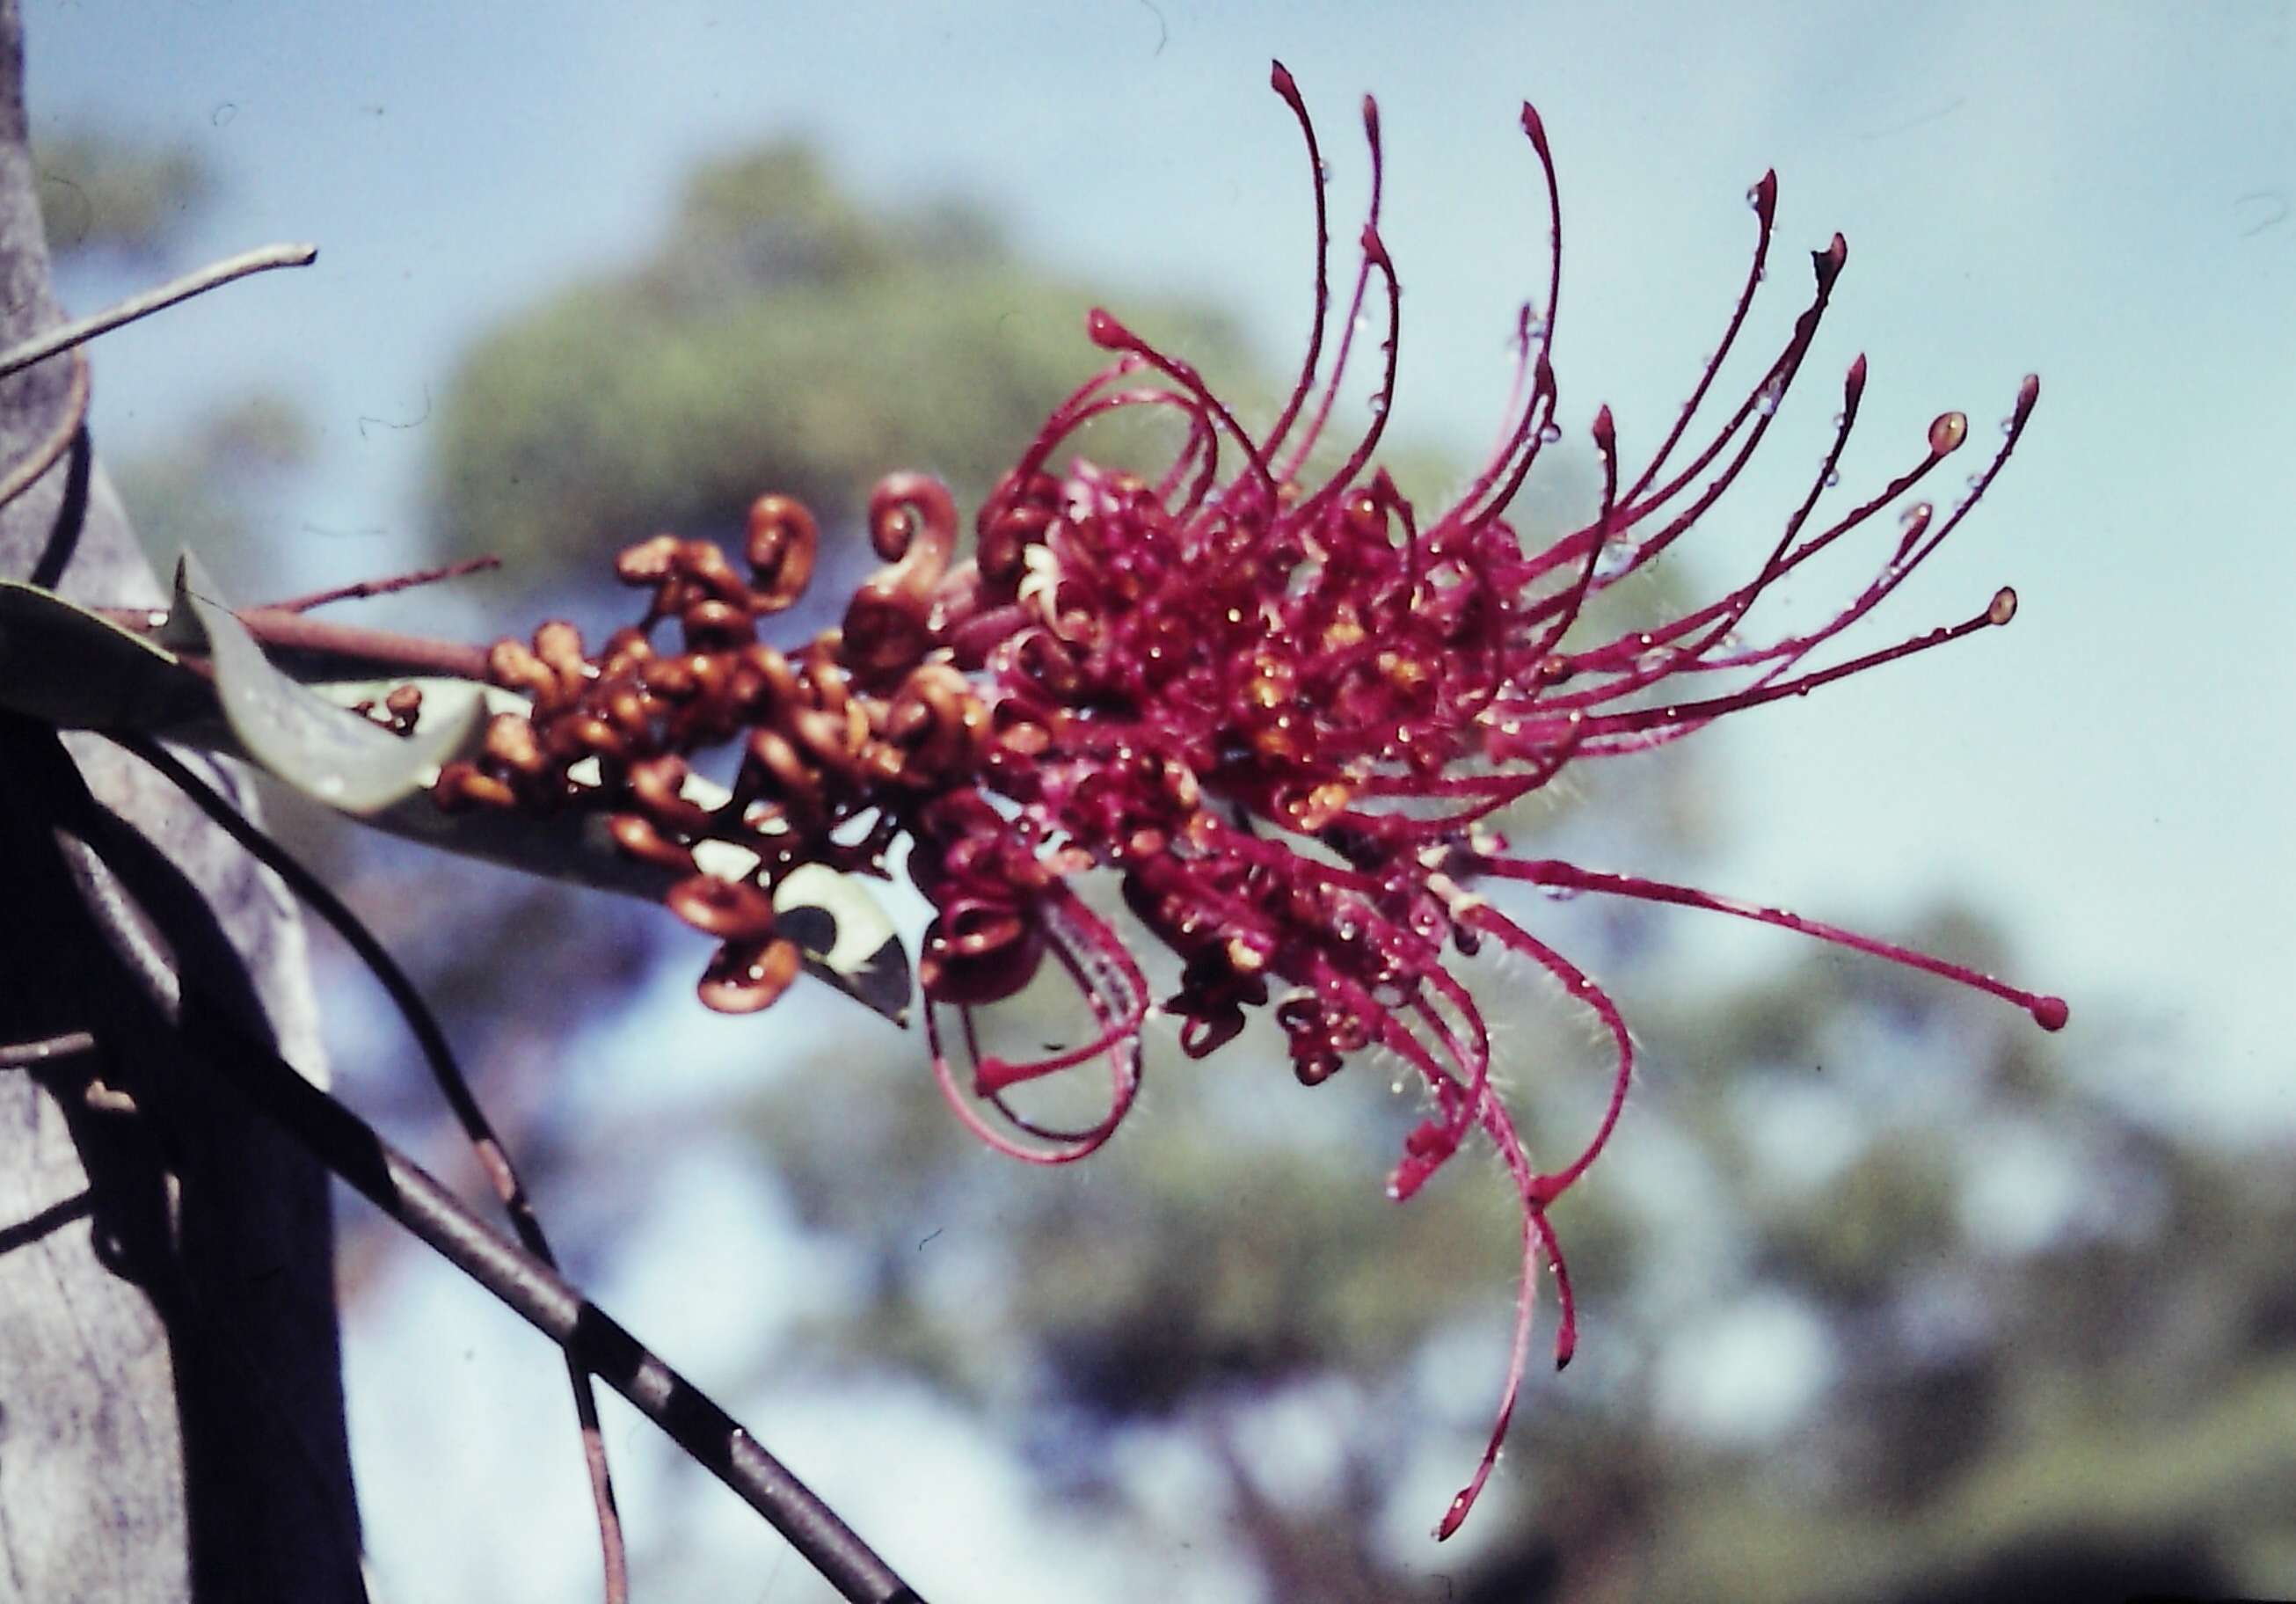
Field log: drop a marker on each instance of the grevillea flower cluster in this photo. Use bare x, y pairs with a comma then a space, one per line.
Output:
1279, 710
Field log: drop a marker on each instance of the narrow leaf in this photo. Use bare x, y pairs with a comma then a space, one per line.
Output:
76, 670
334, 755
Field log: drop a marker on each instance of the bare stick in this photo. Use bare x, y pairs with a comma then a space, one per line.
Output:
404, 1190
494, 1158
346, 646
26, 472
359, 590
65, 336
25, 1055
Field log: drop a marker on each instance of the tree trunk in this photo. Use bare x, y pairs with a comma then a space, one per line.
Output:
171, 1422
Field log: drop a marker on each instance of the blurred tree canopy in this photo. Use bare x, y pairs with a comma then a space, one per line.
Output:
105, 193
777, 337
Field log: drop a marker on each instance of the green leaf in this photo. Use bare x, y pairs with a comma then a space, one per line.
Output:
73, 668
326, 751
846, 937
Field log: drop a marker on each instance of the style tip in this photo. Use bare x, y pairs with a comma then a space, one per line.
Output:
1534, 128
1103, 328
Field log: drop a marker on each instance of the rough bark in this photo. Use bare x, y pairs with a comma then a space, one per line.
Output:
171, 1419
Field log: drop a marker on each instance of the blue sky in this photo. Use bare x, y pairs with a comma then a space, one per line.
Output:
2105, 195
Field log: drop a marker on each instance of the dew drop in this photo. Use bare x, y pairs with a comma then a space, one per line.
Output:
1766, 401
1615, 558
1323, 171
1832, 478
1550, 432
1560, 892
1378, 404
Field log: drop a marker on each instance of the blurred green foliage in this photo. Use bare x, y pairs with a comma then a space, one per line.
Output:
777, 337
104, 193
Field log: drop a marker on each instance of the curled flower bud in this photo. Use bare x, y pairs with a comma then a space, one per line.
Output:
639, 837
733, 911
783, 540
746, 976
461, 786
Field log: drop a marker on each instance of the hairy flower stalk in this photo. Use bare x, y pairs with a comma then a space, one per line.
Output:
1185, 680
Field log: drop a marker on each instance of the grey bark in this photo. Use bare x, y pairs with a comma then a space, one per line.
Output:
171, 1422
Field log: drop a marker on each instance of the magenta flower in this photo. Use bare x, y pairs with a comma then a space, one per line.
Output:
1188, 679
1227, 643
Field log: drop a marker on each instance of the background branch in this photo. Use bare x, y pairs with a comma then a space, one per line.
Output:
215, 274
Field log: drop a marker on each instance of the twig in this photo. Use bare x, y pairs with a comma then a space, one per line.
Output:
28, 469
24, 1055
65, 336
344, 646
403, 1190
493, 1157
359, 590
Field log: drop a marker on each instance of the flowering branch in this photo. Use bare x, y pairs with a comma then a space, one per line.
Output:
1282, 712
1185, 680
